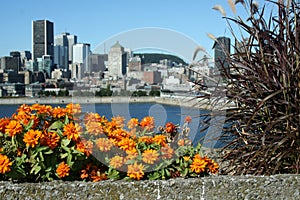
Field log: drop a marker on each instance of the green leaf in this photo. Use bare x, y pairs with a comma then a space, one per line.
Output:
168, 173
41, 156
35, 170
154, 176
69, 160
65, 142
29, 125
113, 174
56, 125
185, 172
42, 148
67, 121
48, 152
62, 156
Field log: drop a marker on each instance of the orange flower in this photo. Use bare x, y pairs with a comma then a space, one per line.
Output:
22, 117
167, 152
31, 138
127, 144
93, 173
135, 171
13, 128
146, 139
58, 112
212, 165
92, 117
132, 123
63, 170
95, 128
131, 154
118, 133
198, 165
3, 123
180, 142
50, 139
104, 144
116, 162
24, 108
72, 131
170, 127
118, 120
160, 139
96, 175
188, 119
73, 109
42, 109
4, 164
150, 156
147, 122
85, 146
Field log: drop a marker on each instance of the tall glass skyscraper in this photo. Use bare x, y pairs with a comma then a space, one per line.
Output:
66, 40
221, 50
42, 39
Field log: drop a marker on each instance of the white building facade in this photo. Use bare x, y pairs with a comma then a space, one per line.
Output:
81, 52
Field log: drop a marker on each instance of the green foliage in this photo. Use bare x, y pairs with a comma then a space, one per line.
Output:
155, 93
139, 93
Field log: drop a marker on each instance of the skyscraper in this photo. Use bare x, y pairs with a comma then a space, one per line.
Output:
117, 60
66, 40
221, 50
81, 53
42, 39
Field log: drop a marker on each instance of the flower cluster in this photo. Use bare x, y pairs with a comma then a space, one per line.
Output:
41, 142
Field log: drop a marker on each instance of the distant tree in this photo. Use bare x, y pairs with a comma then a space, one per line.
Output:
139, 93
155, 93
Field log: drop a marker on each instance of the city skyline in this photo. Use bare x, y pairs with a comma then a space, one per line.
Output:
96, 21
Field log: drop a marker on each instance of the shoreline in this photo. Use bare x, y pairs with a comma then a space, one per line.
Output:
176, 101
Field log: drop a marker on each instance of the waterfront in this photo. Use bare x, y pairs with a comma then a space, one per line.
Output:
127, 107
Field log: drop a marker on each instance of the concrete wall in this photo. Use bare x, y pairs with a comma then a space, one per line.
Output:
213, 187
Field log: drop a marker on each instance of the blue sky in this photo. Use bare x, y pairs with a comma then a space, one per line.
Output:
95, 21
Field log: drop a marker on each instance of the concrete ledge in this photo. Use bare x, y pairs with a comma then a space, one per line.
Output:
213, 187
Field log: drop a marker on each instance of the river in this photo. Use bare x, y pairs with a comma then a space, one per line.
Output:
162, 114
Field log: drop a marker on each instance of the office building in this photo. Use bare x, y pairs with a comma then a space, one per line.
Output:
42, 39
66, 40
221, 50
9, 63
61, 56
81, 52
117, 60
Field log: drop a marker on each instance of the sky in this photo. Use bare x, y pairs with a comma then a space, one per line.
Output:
97, 21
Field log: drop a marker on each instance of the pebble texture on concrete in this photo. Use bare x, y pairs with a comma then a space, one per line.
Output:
213, 187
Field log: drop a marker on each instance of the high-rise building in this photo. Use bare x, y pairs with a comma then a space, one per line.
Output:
221, 50
45, 65
72, 40
117, 60
66, 40
25, 56
9, 63
81, 53
42, 39
61, 56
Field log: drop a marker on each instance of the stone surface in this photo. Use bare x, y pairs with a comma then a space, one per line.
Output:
213, 187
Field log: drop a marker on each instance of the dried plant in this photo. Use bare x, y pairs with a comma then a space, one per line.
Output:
264, 80
261, 132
